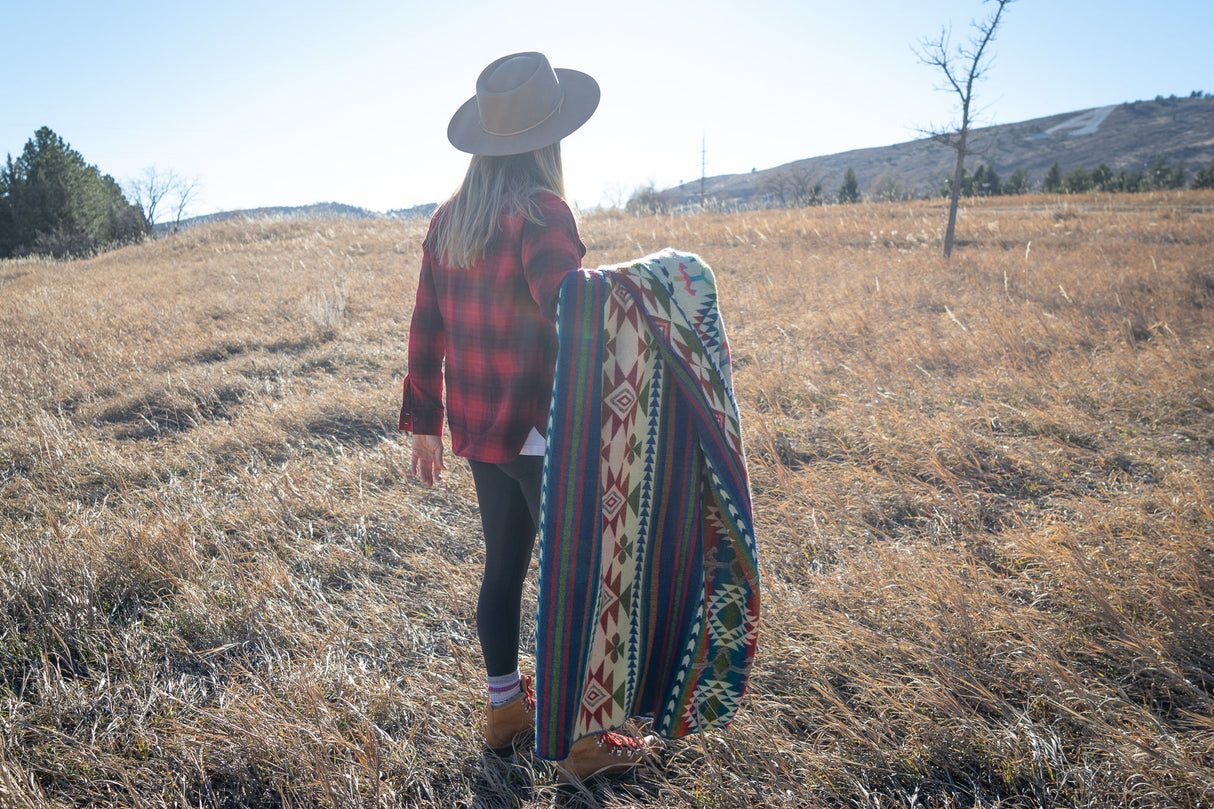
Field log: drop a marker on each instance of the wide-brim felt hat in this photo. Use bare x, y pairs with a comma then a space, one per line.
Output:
522, 104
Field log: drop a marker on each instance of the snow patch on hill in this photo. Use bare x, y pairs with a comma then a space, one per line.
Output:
1086, 123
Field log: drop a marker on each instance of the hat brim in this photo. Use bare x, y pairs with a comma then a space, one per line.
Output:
580, 99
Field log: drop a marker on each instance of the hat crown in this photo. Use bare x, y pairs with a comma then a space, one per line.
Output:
517, 93
522, 104
511, 73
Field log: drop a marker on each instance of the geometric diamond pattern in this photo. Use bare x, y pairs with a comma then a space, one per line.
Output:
622, 400
613, 501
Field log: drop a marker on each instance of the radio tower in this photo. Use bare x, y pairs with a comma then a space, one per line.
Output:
703, 153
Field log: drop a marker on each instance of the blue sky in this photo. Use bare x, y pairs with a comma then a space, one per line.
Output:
289, 103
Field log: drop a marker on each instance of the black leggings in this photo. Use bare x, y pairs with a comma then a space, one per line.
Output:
509, 499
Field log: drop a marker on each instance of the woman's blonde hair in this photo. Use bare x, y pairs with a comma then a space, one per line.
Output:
494, 185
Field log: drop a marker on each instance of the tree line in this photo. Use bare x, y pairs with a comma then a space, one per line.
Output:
1160, 176
54, 203
795, 187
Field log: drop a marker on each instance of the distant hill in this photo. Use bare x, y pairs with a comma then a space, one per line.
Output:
1127, 137
319, 210
416, 212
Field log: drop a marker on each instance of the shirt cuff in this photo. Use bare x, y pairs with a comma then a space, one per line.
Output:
416, 417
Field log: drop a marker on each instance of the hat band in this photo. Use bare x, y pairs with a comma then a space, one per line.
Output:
551, 113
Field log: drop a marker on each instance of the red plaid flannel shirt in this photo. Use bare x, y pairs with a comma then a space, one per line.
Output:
493, 325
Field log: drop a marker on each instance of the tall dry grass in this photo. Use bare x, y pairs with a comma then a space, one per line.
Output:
984, 493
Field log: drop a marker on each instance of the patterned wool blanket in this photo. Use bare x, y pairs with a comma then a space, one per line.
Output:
649, 575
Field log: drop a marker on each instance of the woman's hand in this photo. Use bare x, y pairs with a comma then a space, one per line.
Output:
428, 458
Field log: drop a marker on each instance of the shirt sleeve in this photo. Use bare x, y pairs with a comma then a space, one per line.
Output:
422, 409
550, 252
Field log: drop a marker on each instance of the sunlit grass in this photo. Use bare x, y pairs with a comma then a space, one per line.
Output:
984, 493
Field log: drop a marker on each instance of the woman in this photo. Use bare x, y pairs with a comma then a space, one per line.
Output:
492, 265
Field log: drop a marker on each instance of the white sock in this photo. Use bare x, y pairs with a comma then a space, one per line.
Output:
503, 688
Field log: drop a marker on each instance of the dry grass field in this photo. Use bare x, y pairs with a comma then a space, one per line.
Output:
984, 493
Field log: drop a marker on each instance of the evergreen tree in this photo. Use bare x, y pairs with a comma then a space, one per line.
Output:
1076, 181
52, 202
1204, 178
967, 183
946, 190
7, 226
1102, 178
1018, 183
977, 183
1053, 180
987, 182
1178, 178
1131, 183
850, 190
1160, 175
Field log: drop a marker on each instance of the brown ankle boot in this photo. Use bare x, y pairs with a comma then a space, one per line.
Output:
604, 753
507, 722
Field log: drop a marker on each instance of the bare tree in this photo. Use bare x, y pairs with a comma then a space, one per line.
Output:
793, 186
186, 191
616, 196
155, 189
776, 184
888, 187
647, 200
806, 189
149, 190
962, 67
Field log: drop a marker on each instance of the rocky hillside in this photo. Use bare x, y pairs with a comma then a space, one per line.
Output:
1127, 137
